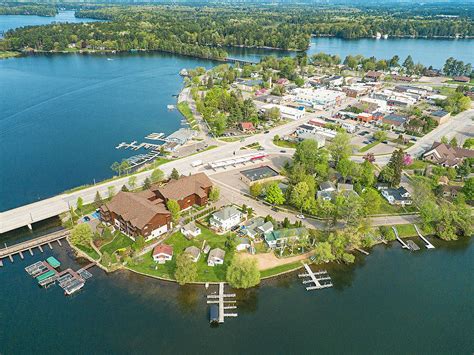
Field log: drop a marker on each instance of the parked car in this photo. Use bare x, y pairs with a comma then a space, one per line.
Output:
300, 216
385, 142
282, 151
275, 209
267, 131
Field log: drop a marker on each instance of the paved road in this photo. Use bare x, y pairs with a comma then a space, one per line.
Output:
37, 211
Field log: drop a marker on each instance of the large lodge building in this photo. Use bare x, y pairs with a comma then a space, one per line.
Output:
145, 213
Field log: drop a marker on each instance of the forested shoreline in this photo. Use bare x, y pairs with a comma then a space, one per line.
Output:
30, 9
204, 31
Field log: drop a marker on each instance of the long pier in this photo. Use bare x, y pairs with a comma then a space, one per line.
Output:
428, 245
404, 245
318, 278
221, 300
29, 245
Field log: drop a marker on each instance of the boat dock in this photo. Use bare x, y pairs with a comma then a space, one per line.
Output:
319, 279
412, 245
404, 245
222, 302
362, 251
154, 136
29, 245
428, 245
135, 146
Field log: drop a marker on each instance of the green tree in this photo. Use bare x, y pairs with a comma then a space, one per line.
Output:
468, 143
453, 142
132, 182
256, 189
323, 252
97, 199
396, 164
348, 258
214, 194
81, 235
139, 243
157, 175
175, 210
174, 174
367, 176
298, 194
186, 270
110, 192
380, 136
274, 195
80, 204
340, 147
146, 183
115, 167
372, 201
124, 188
468, 189
243, 273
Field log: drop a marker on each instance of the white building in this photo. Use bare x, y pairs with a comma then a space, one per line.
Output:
162, 253
226, 218
216, 257
286, 112
319, 98
190, 230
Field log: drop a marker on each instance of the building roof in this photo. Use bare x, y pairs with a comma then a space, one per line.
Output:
439, 113
448, 155
191, 226
286, 233
266, 227
247, 125
395, 119
244, 241
327, 186
135, 208
373, 74
163, 249
186, 186
259, 173
193, 251
397, 193
345, 187
217, 253
226, 213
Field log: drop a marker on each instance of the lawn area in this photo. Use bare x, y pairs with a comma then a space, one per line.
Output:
417, 165
179, 242
229, 139
285, 144
368, 146
406, 230
279, 269
89, 251
185, 110
120, 241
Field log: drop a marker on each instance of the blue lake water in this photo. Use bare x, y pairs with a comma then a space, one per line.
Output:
8, 22
391, 302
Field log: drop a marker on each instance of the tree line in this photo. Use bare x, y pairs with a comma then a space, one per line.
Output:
30, 9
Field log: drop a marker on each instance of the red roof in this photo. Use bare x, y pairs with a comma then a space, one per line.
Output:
163, 249
247, 125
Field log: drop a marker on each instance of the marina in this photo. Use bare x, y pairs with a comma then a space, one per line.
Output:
319, 279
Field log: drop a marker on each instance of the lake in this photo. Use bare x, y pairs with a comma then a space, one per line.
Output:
8, 22
391, 302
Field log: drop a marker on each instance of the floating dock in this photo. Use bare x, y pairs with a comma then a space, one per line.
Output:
428, 245
319, 279
221, 299
154, 136
412, 245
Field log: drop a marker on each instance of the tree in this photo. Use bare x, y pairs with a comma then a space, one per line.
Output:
174, 174
124, 167
387, 233
323, 252
372, 201
298, 194
214, 194
340, 147
124, 188
367, 177
348, 258
444, 140
380, 136
81, 235
115, 167
157, 175
243, 273
186, 269
396, 164
79, 204
344, 167
146, 183
256, 189
97, 199
173, 207
468, 143
453, 142
132, 182
139, 243
274, 195
111, 192
408, 64
468, 189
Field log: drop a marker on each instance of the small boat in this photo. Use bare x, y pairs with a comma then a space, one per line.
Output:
214, 314
170, 107
109, 59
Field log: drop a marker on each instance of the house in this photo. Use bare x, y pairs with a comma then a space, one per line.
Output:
249, 85
266, 227
251, 229
402, 78
190, 230
440, 116
374, 76
394, 121
187, 191
244, 244
336, 80
193, 252
326, 191
226, 218
462, 79
274, 238
137, 214
398, 196
246, 126
446, 155
162, 253
216, 257
450, 191
443, 180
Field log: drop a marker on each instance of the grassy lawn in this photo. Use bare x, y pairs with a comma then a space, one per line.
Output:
120, 241
406, 230
8, 54
185, 110
417, 165
285, 144
280, 268
179, 242
368, 146
229, 139
89, 251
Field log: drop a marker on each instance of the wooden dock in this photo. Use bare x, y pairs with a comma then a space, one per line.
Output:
221, 300
404, 245
319, 279
362, 251
28, 246
428, 245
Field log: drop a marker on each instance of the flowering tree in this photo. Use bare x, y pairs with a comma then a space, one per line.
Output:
407, 159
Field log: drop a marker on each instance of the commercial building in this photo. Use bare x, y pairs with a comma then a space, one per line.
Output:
319, 98
260, 174
287, 112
